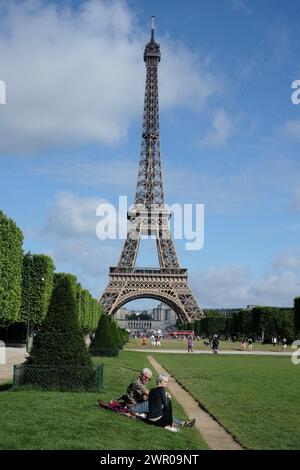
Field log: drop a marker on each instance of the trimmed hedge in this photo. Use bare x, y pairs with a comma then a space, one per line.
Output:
60, 341
105, 342
11, 258
37, 286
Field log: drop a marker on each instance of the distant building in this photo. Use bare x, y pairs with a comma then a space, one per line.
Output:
163, 318
121, 314
164, 314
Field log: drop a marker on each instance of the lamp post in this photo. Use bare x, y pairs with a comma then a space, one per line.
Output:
29, 255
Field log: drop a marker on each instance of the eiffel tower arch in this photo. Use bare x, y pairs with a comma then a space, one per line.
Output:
150, 216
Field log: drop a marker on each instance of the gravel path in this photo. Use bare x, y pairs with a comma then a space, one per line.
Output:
13, 356
183, 351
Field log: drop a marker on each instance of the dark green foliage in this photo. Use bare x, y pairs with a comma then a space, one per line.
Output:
186, 326
197, 327
212, 313
274, 321
213, 325
104, 342
96, 311
124, 335
37, 286
79, 304
60, 341
88, 310
86, 300
264, 322
297, 315
11, 257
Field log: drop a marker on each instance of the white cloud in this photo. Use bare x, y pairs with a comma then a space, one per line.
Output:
72, 215
231, 286
288, 259
69, 237
275, 289
292, 129
224, 286
77, 75
223, 129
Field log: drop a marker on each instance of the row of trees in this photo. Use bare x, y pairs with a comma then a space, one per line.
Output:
262, 322
27, 282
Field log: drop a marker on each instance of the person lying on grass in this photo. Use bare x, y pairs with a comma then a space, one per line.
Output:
160, 407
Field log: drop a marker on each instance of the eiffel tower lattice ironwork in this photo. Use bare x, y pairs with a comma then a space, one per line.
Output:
150, 216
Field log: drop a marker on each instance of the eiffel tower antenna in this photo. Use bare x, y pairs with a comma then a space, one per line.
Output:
150, 216
152, 27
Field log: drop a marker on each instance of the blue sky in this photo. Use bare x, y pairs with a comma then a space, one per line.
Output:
71, 129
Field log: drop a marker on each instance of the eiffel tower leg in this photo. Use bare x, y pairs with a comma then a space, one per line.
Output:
191, 307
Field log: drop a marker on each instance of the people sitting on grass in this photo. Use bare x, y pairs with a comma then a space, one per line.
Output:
136, 397
160, 407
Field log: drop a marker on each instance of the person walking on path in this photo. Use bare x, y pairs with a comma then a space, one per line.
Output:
215, 344
190, 344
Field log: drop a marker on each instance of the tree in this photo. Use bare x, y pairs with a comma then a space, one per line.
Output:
145, 316
85, 309
11, 258
60, 341
213, 325
297, 315
37, 286
104, 342
96, 314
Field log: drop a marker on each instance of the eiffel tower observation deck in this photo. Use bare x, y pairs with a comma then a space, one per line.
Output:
150, 216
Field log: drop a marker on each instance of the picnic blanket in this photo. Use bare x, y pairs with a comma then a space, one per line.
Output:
117, 407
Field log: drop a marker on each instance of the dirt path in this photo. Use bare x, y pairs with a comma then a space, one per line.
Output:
213, 433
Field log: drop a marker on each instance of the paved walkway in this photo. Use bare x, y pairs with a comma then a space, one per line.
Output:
213, 433
183, 351
13, 356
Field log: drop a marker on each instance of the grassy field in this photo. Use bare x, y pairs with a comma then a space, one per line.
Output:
256, 398
136, 343
50, 420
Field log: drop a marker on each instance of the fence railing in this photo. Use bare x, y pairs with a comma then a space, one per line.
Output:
60, 378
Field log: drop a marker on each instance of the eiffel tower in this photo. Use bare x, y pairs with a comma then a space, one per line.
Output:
150, 216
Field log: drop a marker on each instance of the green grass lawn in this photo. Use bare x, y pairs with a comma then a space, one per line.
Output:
255, 397
54, 420
136, 343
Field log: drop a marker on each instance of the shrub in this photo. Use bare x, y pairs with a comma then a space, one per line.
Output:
60, 341
104, 342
